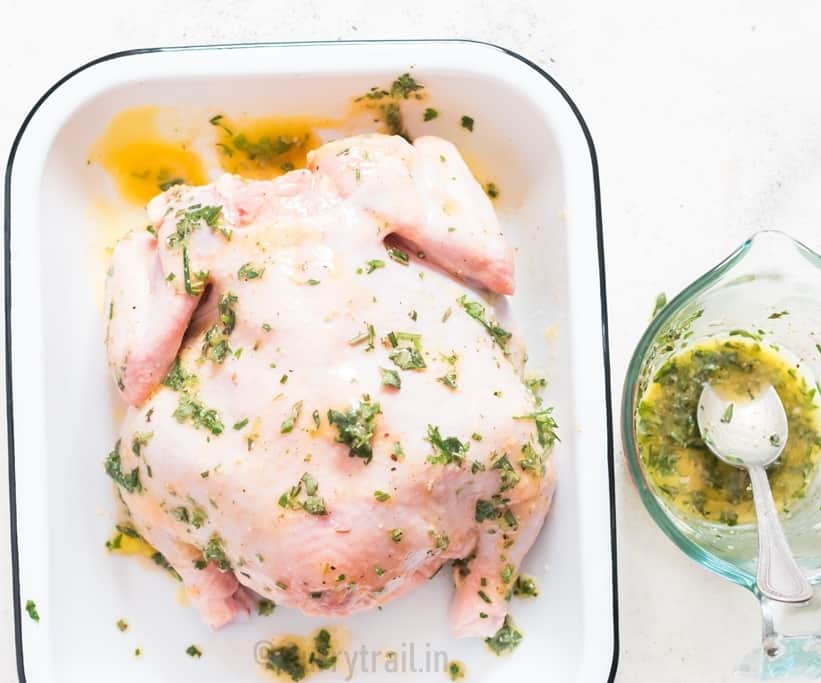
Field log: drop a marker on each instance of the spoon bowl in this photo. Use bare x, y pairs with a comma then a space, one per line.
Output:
743, 433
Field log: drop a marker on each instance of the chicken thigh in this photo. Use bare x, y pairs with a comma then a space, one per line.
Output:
322, 411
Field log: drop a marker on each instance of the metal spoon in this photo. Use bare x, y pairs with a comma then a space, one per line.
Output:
751, 435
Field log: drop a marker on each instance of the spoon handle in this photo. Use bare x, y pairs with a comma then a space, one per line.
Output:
778, 576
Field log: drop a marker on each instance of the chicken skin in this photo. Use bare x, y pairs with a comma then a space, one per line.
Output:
322, 411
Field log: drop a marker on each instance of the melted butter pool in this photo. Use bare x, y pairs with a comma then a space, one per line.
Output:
674, 456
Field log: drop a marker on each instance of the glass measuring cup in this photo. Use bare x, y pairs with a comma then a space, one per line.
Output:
772, 285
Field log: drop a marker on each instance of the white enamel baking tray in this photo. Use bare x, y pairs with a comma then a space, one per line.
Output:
60, 399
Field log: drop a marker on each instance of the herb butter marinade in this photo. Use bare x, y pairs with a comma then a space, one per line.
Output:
675, 456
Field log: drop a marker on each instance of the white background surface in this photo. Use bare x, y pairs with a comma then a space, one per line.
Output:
707, 121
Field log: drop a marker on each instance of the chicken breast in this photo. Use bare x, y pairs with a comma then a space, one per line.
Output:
322, 411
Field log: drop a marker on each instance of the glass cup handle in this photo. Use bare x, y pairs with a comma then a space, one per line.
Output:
790, 642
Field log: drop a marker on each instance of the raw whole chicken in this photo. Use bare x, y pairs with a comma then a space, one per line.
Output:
322, 410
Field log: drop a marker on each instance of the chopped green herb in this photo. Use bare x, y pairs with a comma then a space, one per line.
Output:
168, 184
181, 514
248, 271
368, 335
779, 314
288, 424
396, 535
122, 625
192, 409
491, 190
215, 345
398, 453
193, 651
430, 114
310, 503
446, 450
239, 425
509, 477
536, 385
313, 283
196, 285
113, 468
390, 378
398, 255
467, 122
456, 671
381, 496
545, 426
727, 417
449, 380
31, 610
525, 587
393, 120
374, 93
178, 378
356, 427
532, 460
462, 565
283, 379
128, 531
321, 656
403, 86
506, 639
477, 311
440, 539
484, 597
265, 149
191, 219
140, 439
286, 659
315, 418
199, 516
373, 264
485, 510
407, 353
214, 552
265, 608
228, 316
160, 561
